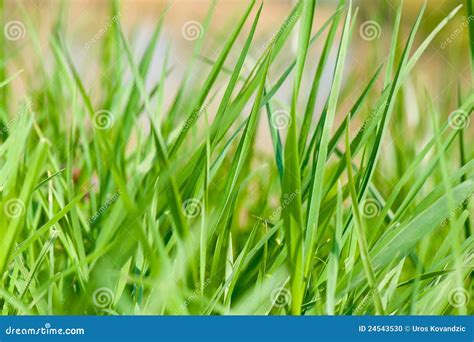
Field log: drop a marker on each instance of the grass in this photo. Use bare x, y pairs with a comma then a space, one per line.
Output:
117, 201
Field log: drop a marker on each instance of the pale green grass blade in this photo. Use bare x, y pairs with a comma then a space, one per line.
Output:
216, 69
292, 214
393, 46
361, 235
305, 127
15, 226
316, 192
401, 240
333, 263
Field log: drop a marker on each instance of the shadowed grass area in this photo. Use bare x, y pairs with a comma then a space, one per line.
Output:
145, 198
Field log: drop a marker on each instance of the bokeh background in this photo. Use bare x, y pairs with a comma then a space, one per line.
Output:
442, 69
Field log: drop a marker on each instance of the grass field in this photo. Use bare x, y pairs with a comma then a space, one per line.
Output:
129, 194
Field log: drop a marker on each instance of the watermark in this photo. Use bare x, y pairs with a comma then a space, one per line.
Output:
103, 119
464, 25
111, 200
281, 119
103, 30
192, 119
459, 297
192, 30
470, 257
365, 302
287, 23
370, 30
286, 200
24, 109
14, 208
369, 120
103, 297
198, 289
46, 330
192, 207
458, 119
457, 210
370, 208
280, 297
14, 30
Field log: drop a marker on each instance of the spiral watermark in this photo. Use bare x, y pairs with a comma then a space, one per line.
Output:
103, 119
192, 30
103, 297
370, 30
458, 119
458, 297
14, 208
280, 297
370, 208
14, 30
281, 119
192, 207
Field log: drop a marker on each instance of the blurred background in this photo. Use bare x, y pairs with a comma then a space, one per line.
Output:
443, 69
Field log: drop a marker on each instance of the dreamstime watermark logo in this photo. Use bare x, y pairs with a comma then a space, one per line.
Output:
192, 30
192, 119
370, 208
14, 30
464, 25
371, 118
12, 123
458, 119
108, 24
281, 119
280, 297
458, 209
192, 207
111, 200
103, 119
470, 257
458, 297
14, 208
370, 30
103, 297
286, 200
46, 330
287, 23
365, 302
198, 289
